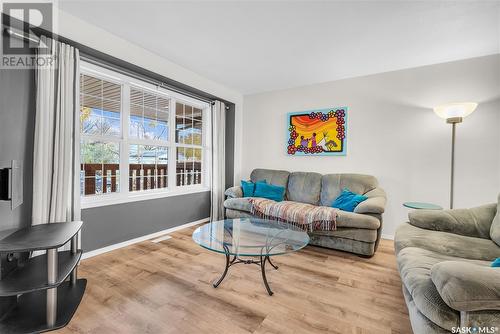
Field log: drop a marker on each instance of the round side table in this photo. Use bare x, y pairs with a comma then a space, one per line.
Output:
422, 206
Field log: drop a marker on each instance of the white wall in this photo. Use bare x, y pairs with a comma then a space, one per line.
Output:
393, 133
87, 34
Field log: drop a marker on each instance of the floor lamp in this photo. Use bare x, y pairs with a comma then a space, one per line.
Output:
454, 113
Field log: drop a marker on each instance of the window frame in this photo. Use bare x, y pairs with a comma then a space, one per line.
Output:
125, 195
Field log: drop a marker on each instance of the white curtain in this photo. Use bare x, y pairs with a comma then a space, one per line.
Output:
55, 164
218, 160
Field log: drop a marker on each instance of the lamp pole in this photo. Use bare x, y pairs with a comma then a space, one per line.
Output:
453, 121
454, 113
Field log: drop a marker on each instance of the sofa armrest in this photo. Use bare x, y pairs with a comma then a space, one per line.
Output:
466, 286
374, 204
234, 192
474, 222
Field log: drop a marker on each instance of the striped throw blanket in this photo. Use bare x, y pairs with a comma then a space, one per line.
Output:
305, 216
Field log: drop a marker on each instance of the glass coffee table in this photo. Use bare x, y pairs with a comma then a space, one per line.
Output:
422, 206
250, 241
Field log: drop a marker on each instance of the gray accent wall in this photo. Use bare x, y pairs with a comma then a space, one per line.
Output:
17, 123
108, 225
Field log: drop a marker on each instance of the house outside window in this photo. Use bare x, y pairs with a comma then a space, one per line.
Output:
139, 141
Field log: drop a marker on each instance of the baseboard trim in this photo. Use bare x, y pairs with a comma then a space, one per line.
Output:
387, 236
110, 248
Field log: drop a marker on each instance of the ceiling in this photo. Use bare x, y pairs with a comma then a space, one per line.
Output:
256, 46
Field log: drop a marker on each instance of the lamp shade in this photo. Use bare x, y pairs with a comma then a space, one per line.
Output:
455, 110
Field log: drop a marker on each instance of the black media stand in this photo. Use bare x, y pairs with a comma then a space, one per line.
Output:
46, 298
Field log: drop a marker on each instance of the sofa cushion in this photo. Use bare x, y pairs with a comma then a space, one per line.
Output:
304, 187
241, 204
375, 202
271, 176
234, 192
419, 323
414, 266
445, 243
343, 244
466, 286
495, 225
360, 234
332, 185
352, 219
473, 222
344, 219
234, 214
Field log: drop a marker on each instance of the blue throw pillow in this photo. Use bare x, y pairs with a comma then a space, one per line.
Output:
496, 262
248, 187
348, 201
269, 191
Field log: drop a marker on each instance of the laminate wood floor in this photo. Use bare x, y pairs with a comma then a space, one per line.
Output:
166, 287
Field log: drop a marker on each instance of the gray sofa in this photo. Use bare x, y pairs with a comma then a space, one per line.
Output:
357, 232
444, 259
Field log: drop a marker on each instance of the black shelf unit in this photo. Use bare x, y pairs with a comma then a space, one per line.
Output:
46, 298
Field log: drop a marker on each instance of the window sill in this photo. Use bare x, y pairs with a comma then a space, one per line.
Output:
113, 199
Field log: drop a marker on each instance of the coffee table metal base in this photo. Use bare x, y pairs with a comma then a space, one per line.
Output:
261, 262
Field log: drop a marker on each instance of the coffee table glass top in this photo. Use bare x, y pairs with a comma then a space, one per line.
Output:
422, 206
250, 237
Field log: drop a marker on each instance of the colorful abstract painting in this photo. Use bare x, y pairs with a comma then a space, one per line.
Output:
317, 132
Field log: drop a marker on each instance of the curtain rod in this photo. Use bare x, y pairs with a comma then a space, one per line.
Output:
21, 35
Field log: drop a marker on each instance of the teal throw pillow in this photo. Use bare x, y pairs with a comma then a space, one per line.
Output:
248, 187
269, 191
496, 262
348, 201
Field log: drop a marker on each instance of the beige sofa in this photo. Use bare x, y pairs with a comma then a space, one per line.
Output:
444, 259
357, 232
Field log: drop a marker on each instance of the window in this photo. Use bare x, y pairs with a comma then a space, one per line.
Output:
138, 141
189, 138
100, 114
148, 140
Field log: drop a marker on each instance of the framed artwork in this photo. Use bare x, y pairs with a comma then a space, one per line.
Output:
317, 132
